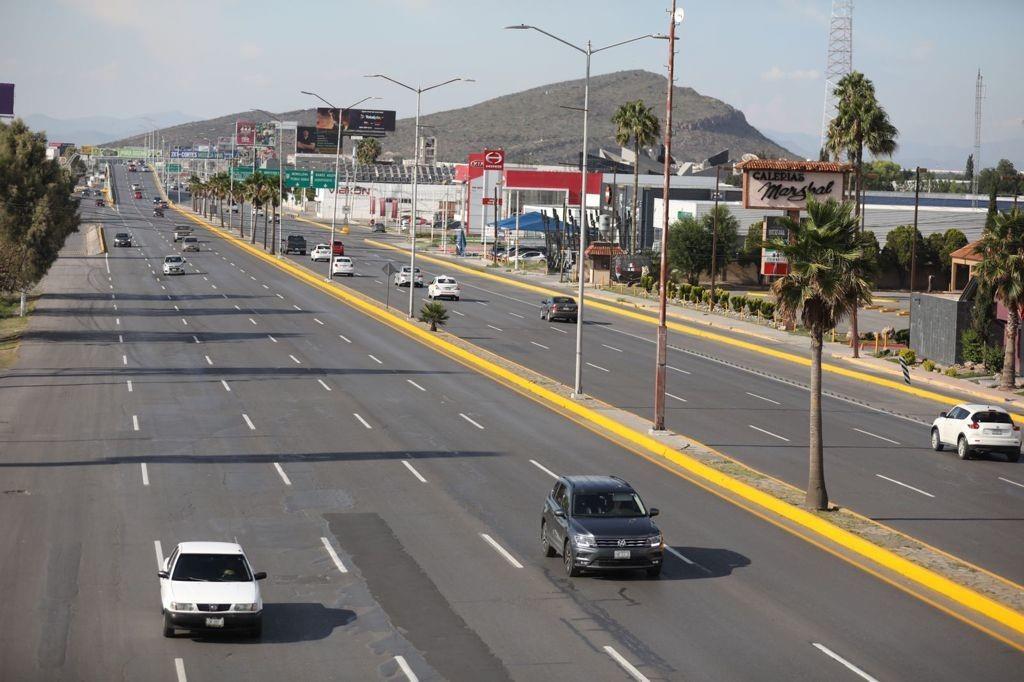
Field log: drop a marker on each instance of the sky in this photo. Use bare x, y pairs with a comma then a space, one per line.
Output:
76, 58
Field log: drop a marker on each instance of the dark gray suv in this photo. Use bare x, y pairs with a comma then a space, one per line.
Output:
599, 523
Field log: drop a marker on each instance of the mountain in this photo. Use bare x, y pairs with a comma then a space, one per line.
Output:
804, 144
533, 126
95, 129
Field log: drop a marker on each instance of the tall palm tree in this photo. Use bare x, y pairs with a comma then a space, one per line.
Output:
825, 284
636, 122
193, 182
860, 123
1002, 270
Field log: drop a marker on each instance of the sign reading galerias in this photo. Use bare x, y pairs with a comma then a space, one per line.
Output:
787, 185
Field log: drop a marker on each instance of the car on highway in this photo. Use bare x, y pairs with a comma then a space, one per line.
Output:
977, 429
294, 243
156, 200
559, 308
181, 232
174, 265
320, 252
444, 286
342, 265
136, 187
158, 213
122, 239
599, 523
210, 586
405, 275
163, 204
190, 244
100, 202
138, 195
337, 248
379, 228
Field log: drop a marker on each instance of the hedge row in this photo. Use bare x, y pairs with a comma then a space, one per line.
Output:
702, 295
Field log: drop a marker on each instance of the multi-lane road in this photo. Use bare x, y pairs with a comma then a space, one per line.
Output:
394, 496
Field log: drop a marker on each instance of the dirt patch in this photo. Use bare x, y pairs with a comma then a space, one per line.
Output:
12, 326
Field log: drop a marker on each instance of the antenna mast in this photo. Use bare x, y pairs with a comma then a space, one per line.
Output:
979, 94
839, 61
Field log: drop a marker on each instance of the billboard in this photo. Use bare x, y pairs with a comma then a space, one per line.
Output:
367, 122
773, 262
6, 99
265, 135
323, 137
245, 133
789, 189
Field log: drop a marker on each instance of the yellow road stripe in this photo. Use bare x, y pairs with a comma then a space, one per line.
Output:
918, 574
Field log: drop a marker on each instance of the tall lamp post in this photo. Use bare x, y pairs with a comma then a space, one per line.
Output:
587, 51
337, 169
281, 127
415, 173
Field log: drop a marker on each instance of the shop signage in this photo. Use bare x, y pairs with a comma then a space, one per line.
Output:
773, 262
789, 189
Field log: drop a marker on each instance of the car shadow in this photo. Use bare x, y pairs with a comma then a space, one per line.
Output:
700, 563
285, 623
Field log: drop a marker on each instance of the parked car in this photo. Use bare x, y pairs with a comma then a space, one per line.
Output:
320, 252
527, 257
559, 308
174, 265
342, 265
444, 286
294, 243
975, 429
405, 275
599, 523
190, 244
337, 248
379, 227
122, 239
181, 232
210, 586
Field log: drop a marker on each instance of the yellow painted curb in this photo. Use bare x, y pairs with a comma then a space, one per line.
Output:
918, 574
103, 239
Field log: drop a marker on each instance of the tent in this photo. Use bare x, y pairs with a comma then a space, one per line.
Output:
528, 222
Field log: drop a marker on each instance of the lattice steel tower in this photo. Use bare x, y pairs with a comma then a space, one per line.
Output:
839, 61
979, 94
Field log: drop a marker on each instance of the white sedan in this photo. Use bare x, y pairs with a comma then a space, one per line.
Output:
320, 252
444, 286
174, 265
527, 257
977, 428
342, 265
403, 277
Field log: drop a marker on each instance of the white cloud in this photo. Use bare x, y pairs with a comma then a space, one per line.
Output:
777, 74
250, 51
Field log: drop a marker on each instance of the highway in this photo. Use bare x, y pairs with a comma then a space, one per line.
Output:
392, 495
747, 405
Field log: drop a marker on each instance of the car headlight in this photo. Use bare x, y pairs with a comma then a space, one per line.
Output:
243, 607
584, 540
182, 606
656, 540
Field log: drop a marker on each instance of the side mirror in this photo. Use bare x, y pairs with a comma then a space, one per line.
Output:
260, 575
942, 414
653, 511
560, 513
163, 574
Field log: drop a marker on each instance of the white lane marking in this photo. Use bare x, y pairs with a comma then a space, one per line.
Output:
416, 385
376, 360
282, 474
205, 279
617, 350
501, 550
145, 474
208, 360
378, 281
543, 468
115, 306
252, 320
836, 657
159, 555
675, 397
265, 286
361, 420
296, 307
499, 329
124, 359
344, 338
1019, 485
179, 667
761, 397
135, 422
685, 559
295, 359
773, 435
476, 424
676, 369
333, 555
248, 422
117, 321
177, 308
458, 313
196, 339
236, 307
893, 480
406, 670
317, 321
130, 390
598, 367
162, 287
271, 338
213, 286
625, 665
414, 472
184, 321
251, 277
540, 345
279, 296
120, 338
106, 261
560, 331
225, 385
875, 435
326, 387
241, 270
516, 315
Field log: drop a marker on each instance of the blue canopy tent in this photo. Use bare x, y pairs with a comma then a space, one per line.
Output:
529, 222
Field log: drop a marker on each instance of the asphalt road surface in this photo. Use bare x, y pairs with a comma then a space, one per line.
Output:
392, 495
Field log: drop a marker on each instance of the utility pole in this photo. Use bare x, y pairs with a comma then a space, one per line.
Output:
913, 241
714, 236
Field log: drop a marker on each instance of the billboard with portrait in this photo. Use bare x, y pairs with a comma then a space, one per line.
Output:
266, 134
6, 99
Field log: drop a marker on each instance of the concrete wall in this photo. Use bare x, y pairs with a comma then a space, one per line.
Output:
936, 323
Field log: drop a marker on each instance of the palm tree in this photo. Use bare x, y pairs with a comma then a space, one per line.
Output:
193, 182
826, 283
1002, 270
253, 189
860, 122
368, 150
434, 314
636, 121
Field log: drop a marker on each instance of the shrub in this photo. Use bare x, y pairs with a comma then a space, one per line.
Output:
684, 290
992, 356
723, 299
768, 309
973, 346
908, 355
752, 305
950, 372
928, 366
647, 282
670, 289
694, 295
737, 303
705, 296
902, 336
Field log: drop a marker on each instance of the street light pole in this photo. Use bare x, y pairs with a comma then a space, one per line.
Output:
588, 51
913, 239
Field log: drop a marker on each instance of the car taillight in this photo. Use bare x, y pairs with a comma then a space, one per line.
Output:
972, 425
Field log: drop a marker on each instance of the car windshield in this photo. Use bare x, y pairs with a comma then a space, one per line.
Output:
191, 239
122, 235
562, 299
991, 417
172, 259
213, 568
607, 504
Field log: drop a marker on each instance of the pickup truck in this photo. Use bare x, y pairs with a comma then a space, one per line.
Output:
181, 232
294, 243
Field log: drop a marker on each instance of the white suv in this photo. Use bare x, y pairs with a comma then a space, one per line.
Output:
444, 286
210, 586
977, 428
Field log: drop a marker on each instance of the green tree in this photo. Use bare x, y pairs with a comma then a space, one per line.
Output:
434, 314
969, 168
941, 244
636, 122
752, 244
824, 285
880, 175
900, 242
689, 248
728, 233
1002, 178
1002, 268
993, 209
368, 150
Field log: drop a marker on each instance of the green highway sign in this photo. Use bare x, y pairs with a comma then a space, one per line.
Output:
174, 168
269, 172
241, 172
296, 177
324, 179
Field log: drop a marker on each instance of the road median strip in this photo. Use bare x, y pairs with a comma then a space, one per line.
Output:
970, 602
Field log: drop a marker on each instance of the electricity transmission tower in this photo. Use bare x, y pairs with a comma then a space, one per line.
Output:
839, 61
979, 94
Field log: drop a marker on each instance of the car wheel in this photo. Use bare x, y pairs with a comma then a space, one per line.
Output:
168, 628
936, 443
569, 561
962, 449
549, 551
1013, 457
654, 572
456, 298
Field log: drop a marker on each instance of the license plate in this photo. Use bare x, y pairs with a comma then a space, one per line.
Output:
622, 554
215, 622
993, 432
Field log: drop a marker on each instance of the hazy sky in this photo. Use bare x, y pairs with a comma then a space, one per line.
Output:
72, 58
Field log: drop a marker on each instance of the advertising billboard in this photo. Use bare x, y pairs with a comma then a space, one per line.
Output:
265, 135
323, 137
789, 189
367, 122
7, 99
245, 133
773, 262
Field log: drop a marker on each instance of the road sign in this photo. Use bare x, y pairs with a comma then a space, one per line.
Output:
906, 370
324, 179
297, 177
174, 168
241, 172
494, 159
269, 172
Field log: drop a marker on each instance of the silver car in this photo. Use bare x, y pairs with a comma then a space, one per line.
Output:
190, 244
174, 265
